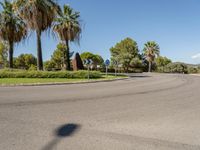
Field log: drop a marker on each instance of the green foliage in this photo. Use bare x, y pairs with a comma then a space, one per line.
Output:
68, 28
193, 70
124, 52
12, 28
3, 54
151, 51
25, 61
49, 65
39, 16
136, 63
67, 24
161, 62
48, 74
57, 60
58, 56
176, 68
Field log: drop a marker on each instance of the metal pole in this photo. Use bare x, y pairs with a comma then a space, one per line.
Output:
106, 70
88, 72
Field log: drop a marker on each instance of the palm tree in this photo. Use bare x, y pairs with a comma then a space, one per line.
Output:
68, 27
39, 15
151, 50
12, 28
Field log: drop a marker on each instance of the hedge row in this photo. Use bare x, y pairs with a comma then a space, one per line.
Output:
178, 68
48, 74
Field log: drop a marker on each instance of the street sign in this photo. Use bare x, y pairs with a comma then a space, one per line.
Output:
107, 62
88, 62
115, 63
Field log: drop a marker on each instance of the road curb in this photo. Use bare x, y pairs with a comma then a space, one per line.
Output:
62, 83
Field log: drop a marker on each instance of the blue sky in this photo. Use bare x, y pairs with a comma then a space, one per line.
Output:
173, 24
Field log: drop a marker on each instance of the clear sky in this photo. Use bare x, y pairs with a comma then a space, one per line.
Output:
173, 24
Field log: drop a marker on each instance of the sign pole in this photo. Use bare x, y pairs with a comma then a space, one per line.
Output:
107, 63
88, 72
106, 70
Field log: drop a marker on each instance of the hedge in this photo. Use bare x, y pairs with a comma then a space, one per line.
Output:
48, 74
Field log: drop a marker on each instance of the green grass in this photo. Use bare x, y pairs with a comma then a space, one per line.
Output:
27, 81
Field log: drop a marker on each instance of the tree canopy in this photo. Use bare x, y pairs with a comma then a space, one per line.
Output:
12, 28
124, 52
25, 61
67, 26
58, 58
39, 16
151, 51
162, 61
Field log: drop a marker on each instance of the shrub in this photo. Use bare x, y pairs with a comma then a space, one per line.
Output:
7, 73
193, 70
176, 68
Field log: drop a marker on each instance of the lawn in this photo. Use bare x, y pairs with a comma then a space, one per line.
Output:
27, 81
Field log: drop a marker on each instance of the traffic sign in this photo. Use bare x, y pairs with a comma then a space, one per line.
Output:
107, 62
88, 62
115, 63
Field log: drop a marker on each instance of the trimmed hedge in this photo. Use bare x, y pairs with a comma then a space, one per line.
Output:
48, 74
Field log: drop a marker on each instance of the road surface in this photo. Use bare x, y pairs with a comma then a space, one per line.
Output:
145, 112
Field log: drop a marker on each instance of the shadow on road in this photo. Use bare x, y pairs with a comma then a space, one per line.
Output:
139, 76
63, 131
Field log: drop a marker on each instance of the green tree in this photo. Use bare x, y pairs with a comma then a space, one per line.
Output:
12, 28
124, 52
192, 70
161, 62
68, 28
39, 16
49, 65
137, 63
3, 54
97, 59
25, 61
151, 51
177, 67
58, 56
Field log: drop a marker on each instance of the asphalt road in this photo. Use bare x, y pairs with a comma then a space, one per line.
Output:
145, 112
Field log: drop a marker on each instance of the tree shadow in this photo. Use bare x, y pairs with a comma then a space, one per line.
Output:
63, 131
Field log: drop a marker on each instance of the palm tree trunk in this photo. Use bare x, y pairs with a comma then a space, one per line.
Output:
149, 66
11, 49
68, 67
39, 51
